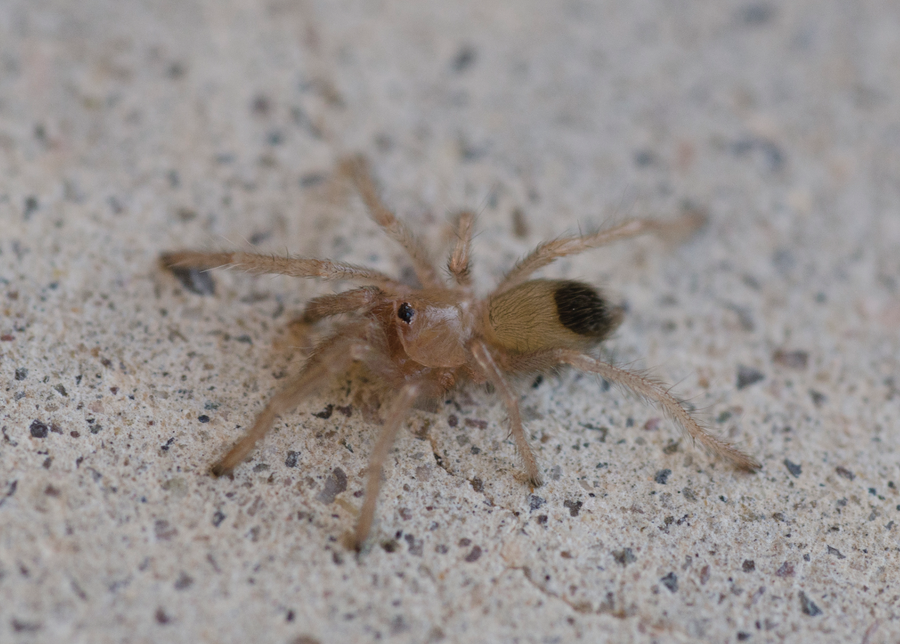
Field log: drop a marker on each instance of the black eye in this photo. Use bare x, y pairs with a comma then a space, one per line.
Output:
406, 313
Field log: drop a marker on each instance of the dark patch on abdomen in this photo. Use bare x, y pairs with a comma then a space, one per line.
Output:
581, 310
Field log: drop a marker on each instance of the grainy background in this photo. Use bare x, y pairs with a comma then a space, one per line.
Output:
130, 128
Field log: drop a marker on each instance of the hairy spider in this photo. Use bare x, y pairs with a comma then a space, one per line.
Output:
423, 342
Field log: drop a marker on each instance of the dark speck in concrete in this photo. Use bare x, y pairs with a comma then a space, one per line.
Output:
747, 376
20, 626
624, 556
818, 399
163, 530
292, 459
474, 554
312, 179
748, 566
325, 414
184, 581
534, 502
39, 429
670, 581
573, 506
835, 552
21, 373
844, 472
203, 419
415, 545
785, 570
662, 476
10, 491
334, 485
463, 59
793, 468
808, 606
756, 14
217, 519
791, 359
643, 158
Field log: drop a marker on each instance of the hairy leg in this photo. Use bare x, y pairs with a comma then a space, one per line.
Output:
331, 357
275, 265
646, 388
494, 375
459, 260
357, 168
347, 302
396, 414
550, 251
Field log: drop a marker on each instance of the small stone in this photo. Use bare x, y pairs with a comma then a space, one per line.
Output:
793, 468
624, 556
791, 359
334, 485
844, 472
837, 553
184, 581
39, 429
818, 399
808, 606
670, 581
747, 376
573, 506
325, 414
662, 476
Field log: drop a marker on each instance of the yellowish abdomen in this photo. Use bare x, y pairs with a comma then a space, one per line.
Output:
550, 314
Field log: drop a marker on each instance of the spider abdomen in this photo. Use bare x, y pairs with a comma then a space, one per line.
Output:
547, 314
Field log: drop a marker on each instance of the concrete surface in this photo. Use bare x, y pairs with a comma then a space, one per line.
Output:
130, 128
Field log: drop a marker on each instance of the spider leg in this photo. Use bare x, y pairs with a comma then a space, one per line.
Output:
459, 260
655, 392
357, 168
492, 372
399, 409
280, 265
550, 251
347, 302
333, 356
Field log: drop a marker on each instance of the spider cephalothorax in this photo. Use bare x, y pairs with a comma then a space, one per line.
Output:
424, 341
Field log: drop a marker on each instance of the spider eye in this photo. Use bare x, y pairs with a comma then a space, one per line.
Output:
406, 313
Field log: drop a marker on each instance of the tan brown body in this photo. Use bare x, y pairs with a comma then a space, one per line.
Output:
423, 342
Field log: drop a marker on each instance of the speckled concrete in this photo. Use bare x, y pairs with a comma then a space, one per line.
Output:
130, 128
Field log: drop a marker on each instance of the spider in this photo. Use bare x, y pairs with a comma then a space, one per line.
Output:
423, 342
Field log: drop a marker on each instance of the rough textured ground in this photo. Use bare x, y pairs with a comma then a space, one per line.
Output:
130, 128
